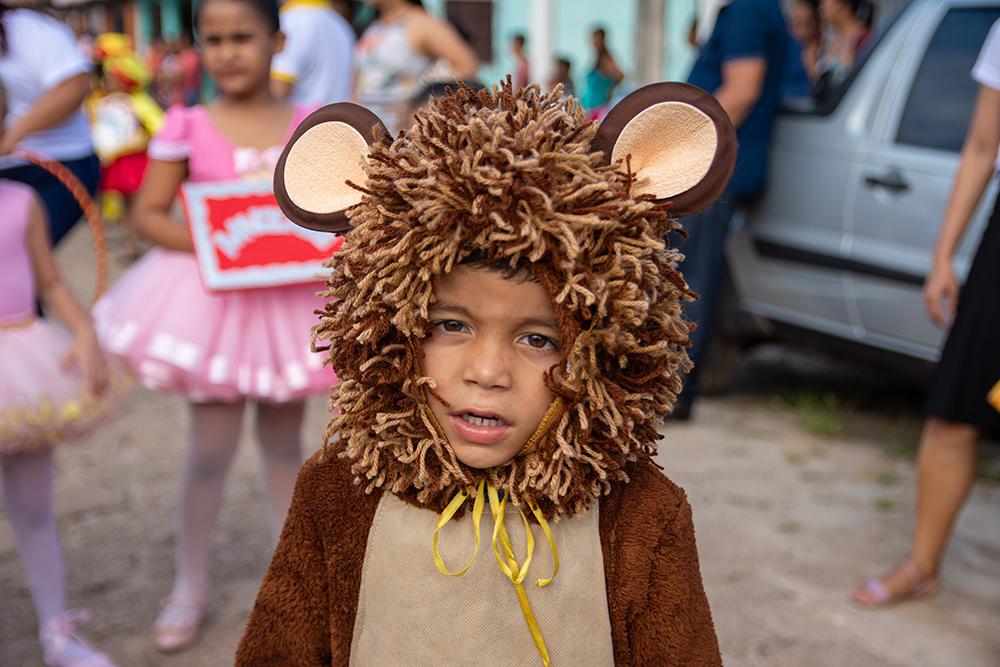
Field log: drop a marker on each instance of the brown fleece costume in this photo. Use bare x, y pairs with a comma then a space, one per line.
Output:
520, 178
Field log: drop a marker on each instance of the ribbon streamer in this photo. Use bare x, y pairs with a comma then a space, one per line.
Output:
507, 560
446, 515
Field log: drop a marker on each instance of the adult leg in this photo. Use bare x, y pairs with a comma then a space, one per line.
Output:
704, 270
946, 470
28, 502
279, 432
946, 467
214, 436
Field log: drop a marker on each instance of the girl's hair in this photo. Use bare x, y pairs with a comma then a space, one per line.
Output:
866, 13
415, 3
266, 9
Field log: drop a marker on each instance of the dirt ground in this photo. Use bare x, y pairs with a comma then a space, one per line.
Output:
795, 496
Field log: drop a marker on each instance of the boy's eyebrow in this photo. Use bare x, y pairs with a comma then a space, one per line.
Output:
464, 312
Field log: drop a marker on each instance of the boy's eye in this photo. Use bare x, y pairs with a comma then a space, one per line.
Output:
450, 326
539, 342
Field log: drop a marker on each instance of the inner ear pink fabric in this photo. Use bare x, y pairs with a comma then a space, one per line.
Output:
320, 163
671, 147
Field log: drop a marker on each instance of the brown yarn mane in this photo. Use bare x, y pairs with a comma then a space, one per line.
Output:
510, 175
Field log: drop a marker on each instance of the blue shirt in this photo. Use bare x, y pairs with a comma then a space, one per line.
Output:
797, 83
748, 29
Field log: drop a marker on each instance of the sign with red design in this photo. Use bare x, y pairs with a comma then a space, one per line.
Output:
243, 240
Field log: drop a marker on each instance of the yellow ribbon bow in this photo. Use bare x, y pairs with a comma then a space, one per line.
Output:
507, 561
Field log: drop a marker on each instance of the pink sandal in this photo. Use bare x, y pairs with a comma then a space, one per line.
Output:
62, 647
172, 635
874, 593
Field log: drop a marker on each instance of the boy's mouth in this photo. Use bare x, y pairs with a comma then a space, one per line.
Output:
480, 426
480, 420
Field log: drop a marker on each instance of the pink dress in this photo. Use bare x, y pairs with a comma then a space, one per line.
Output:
41, 403
212, 346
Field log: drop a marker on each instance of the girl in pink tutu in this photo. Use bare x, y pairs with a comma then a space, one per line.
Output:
54, 387
218, 349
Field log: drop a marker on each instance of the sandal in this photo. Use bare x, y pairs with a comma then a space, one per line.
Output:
874, 592
179, 623
62, 647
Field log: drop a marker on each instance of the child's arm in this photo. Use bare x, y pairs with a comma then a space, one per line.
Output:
152, 217
675, 626
290, 623
85, 353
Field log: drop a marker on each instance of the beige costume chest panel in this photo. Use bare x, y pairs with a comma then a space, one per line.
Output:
427, 618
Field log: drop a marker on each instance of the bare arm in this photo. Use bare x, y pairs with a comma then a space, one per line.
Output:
85, 352
438, 39
152, 217
610, 68
742, 82
975, 169
53, 107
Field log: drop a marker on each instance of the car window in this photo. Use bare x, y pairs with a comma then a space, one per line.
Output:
939, 107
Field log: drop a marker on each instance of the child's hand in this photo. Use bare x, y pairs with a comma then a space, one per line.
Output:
88, 356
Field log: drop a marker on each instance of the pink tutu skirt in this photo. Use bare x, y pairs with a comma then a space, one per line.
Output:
177, 336
41, 403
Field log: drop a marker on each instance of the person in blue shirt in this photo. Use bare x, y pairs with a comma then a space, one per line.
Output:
743, 65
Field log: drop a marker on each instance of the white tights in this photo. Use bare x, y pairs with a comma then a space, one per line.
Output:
27, 499
214, 436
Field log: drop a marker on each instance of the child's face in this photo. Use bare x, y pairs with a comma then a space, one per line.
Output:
237, 45
491, 341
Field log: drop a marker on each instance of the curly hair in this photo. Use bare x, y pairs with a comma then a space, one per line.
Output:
509, 175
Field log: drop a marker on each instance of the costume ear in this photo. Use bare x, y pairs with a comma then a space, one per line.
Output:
326, 151
681, 143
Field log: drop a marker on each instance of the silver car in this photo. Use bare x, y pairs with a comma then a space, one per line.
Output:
841, 242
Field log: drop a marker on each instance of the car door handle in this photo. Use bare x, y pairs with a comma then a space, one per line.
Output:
891, 180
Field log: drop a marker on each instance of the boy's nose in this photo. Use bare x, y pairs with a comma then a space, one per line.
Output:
488, 366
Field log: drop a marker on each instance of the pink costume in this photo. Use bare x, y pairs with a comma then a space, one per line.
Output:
41, 403
212, 346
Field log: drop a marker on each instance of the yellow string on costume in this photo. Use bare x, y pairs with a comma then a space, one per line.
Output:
446, 515
552, 413
552, 543
514, 571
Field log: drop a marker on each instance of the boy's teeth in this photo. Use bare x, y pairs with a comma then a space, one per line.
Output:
481, 421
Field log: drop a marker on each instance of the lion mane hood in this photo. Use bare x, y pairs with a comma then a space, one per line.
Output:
521, 178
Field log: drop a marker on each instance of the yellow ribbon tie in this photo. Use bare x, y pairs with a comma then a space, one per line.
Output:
507, 561
446, 515
509, 566
552, 543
